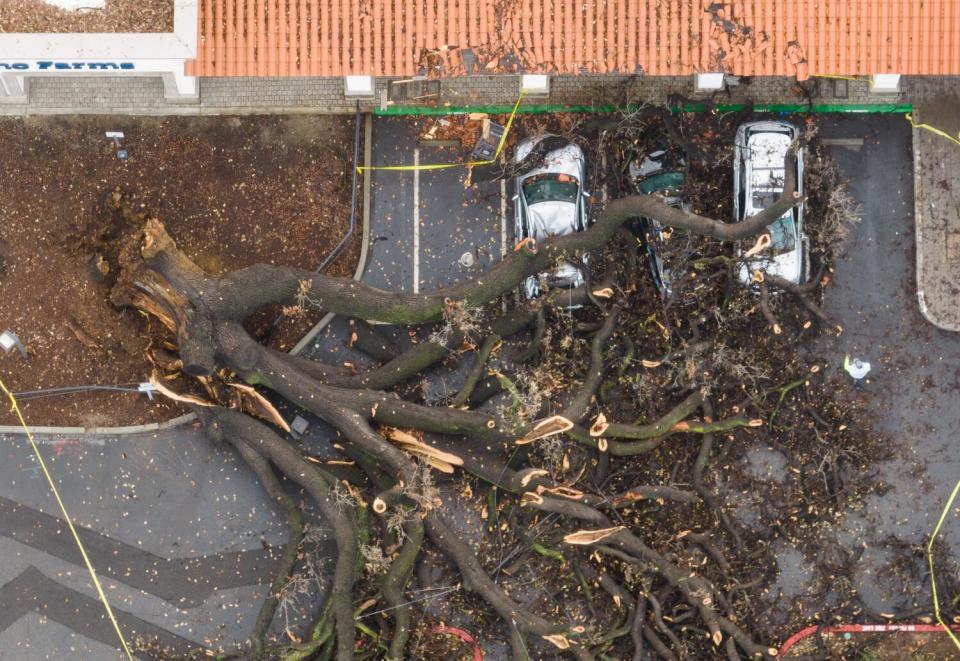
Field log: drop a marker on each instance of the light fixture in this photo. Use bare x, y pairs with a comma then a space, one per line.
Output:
885, 83
116, 137
709, 82
535, 84
10, 341
359, 87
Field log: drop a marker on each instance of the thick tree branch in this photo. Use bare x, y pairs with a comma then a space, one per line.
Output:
477, 370
578, 408
235, 427
288, 560
394, 584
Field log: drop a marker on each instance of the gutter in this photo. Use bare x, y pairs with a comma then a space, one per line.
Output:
310, 335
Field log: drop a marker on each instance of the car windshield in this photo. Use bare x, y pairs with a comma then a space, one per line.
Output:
550, 188
783, 234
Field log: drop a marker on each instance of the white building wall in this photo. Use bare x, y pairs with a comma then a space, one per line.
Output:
26, 55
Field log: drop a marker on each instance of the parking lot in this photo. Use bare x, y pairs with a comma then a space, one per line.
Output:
223, 529
912, 398
423, 222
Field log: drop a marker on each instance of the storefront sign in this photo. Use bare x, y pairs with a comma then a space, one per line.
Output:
50, 65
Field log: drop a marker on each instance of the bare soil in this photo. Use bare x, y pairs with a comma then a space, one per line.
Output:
116, 16
232, 192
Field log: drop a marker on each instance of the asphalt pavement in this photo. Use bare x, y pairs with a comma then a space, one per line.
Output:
423, 222
180, 532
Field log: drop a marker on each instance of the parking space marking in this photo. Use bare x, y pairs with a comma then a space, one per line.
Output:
503, 218
416, 221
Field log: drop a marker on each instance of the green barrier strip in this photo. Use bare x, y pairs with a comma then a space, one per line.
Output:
396, 111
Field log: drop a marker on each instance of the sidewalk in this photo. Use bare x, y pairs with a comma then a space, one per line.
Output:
937, 201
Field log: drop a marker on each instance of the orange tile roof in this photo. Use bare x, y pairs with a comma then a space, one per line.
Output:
659, 37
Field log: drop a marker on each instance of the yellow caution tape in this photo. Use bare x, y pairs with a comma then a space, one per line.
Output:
833, 77
933, 580
445, 166
53, 487
932, 129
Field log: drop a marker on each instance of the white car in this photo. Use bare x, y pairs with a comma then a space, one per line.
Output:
550, 201
758, 179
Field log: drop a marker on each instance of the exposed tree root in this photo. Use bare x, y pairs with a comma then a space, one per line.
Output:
288, 560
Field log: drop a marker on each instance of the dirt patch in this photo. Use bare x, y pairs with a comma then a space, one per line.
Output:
232, 191
116, 16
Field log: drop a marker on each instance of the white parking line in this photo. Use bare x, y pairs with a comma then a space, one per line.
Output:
503, 218
416, 221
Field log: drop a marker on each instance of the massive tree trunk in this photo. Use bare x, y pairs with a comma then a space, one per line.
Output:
206, 312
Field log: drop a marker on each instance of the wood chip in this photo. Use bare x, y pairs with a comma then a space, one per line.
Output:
559, 641
556, 424
588, 537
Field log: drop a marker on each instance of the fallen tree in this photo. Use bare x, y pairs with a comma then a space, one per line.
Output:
390, 443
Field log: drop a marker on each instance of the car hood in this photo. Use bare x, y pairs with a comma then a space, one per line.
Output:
787, 266
566, 160
552, 218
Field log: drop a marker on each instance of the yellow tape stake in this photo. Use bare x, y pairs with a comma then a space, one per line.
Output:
445, 166
66, 517
933, 580
932, 129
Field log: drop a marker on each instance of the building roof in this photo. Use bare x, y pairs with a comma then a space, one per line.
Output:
658, 37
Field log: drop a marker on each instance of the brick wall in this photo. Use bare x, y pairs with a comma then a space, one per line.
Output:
144, 95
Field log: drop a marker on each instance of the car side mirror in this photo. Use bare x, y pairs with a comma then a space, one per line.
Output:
515, 198
586, 194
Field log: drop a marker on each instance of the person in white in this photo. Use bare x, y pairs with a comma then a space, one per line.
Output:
857, 369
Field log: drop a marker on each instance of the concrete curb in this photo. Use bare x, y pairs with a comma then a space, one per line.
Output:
918, 226
312, 333
102, 431
364, 234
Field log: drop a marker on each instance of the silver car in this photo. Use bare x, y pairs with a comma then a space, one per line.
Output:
758, 179
550, 201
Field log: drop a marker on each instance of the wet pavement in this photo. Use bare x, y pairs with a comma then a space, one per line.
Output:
424, 222
181, 534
